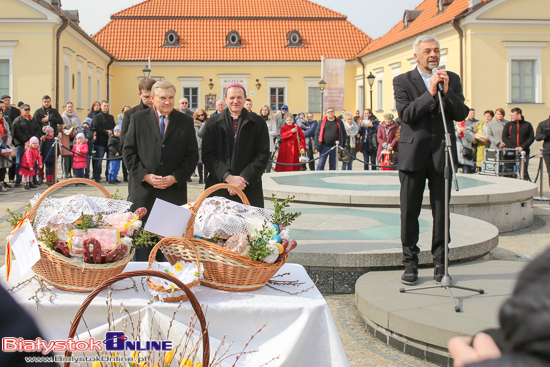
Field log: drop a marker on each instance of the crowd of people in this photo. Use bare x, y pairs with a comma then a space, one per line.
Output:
294, 139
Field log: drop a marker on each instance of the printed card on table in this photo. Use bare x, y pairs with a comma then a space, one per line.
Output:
25, 247
167, 219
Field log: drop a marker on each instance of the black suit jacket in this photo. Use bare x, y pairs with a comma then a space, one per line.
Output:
246, 157
145, 152
126, 120
422, 131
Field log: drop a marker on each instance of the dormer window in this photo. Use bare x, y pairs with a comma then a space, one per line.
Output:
294, 39
171, 39
233, 39
409, 16
443, 4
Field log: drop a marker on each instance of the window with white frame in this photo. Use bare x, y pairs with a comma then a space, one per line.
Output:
190, 88
277, 97
192, 95
98, 84
525, 71
379, 72
66, 84
5, 77
523, 81
79, 90
314, 99
361, 99
90, 97
6, 66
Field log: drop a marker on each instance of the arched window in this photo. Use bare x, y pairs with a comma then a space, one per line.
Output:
294, 39
233, 39
171, 39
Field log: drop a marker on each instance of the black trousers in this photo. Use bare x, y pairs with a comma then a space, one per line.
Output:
412, 190
546, 157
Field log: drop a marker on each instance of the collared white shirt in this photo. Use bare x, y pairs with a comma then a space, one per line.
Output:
165, 120
425, 78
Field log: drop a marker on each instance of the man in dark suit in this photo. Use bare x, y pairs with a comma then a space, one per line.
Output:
160, 151
421, 149
144, 94
235, 148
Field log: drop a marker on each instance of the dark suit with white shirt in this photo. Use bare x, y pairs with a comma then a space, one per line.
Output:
422, 156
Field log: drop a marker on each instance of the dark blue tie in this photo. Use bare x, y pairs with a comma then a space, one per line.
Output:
162, 126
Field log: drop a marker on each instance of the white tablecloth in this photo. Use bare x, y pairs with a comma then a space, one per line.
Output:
300, 329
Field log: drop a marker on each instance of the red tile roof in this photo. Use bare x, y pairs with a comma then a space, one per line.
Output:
429, 18
202, 26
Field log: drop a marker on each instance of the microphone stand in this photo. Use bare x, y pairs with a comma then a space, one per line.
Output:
449, 174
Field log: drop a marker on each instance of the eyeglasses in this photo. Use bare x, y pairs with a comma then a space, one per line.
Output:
330, 111
184, 102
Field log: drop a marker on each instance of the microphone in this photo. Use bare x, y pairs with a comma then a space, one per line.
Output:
440, 84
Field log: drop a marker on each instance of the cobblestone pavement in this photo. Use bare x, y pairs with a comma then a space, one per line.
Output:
361, 348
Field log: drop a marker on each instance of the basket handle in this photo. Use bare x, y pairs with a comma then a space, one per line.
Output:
146, 273
191, 224
60, 184
170, 240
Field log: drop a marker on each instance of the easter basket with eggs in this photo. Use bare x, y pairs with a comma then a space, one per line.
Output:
83, 240
240, 246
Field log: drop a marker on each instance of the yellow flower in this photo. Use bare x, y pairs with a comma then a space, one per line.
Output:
186, 362
135, 355
178, 267
172, 274
198, 364
168, 356
143, 364
96, 364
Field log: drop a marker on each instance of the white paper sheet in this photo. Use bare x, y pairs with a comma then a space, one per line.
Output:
167, 219
25, 247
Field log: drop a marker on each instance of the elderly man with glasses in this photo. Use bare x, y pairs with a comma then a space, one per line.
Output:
328, 132
184, 107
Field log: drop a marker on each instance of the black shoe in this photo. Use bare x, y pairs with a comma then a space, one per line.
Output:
189, 179
27, 186
126, 179
201, 181
7, 186
116, 181
17, 184
410, 276
98, 180
439, 273
111, 182
33, 186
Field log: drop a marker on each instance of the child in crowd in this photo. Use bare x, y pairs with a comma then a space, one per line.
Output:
28, 162
352, 130
89, 138
293, 144
113, 146
80, 161
48, 153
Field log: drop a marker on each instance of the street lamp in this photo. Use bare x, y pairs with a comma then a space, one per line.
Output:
370, 79
146, 72
210, 85
322, 85
258, 85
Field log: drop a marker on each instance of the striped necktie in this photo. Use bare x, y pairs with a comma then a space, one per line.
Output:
162, 126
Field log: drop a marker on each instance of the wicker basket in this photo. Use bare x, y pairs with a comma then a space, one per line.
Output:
67, 274
185, 246
146, 273
223, 269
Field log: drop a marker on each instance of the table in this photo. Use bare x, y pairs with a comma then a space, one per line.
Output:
299, 328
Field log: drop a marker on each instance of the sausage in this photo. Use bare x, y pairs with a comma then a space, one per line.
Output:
116, 254
61, 247
95, 256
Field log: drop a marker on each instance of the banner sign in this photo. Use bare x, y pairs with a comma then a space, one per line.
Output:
334, 75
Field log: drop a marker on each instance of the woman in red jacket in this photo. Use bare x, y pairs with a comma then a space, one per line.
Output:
293, 144
387, 136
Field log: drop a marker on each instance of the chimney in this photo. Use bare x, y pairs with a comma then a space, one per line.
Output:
473, 3
72, 15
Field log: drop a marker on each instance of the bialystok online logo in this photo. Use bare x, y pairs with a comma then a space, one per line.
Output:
114, 341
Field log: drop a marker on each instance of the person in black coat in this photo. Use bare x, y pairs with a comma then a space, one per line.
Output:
421, 152
103, 125
235, 148
48, 116
160, 155
48, 153
519, 134
24, 129
144, 93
